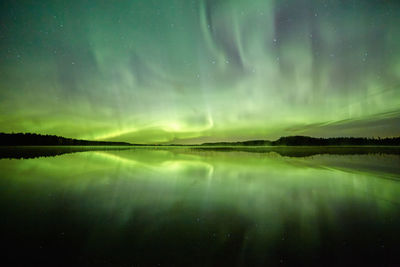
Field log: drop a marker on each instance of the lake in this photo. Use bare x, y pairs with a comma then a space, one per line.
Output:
200, 207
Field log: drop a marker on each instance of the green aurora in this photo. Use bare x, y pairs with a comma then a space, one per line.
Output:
192, 71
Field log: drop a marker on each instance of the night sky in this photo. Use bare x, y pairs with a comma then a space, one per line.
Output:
183, 71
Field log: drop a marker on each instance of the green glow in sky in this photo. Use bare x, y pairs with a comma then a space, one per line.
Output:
186, 71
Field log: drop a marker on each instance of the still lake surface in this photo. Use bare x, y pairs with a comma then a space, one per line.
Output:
183, 206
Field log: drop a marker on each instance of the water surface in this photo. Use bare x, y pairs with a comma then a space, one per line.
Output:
181, 206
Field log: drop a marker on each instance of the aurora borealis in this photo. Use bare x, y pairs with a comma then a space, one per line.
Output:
181, 71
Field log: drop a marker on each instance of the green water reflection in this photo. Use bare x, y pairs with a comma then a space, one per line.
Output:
181, 206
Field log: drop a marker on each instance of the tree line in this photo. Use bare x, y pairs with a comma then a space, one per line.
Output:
31, 139
312, 141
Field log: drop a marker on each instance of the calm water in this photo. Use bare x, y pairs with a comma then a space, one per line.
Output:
149, 207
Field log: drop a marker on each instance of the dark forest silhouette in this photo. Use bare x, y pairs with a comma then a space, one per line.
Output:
30, 139
312, 141
29, 145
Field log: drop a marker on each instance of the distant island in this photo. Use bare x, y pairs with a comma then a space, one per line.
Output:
31, 139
